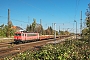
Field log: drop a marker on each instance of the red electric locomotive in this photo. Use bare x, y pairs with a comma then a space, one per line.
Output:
25, 36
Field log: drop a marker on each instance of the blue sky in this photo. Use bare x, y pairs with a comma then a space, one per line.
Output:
61, 12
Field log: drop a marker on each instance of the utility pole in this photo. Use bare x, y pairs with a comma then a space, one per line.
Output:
73, 27
28, 19
81, 25
59, 32
59, 29
52, 25
76, 28
41, 25
55, 31
40, 22
52, 28
63, 27
8, 17
8, 31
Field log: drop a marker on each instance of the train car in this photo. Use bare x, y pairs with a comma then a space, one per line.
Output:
42, 37
25, 36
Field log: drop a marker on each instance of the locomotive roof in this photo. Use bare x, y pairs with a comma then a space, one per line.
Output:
25, 32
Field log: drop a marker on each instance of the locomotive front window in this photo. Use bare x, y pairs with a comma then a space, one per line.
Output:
17, 34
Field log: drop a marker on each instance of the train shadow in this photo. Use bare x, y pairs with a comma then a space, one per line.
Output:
23, 42
29, 41
13, 43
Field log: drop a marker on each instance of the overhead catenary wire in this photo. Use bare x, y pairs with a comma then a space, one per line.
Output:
17, 13
64, 24
58, 8
14, 19
36, 8
76, 8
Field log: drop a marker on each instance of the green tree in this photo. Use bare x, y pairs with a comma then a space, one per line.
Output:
51, 30
66, 33
2, 26
35, 27
61, 32
39, 28
30, 28
85, 33
88, 23
48, 31
7, 31
34, 24
27, 28
42, 30
4, 30
9, 28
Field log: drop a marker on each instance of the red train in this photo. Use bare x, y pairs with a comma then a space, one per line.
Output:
26, 36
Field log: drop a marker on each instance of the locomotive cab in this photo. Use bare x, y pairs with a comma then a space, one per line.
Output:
17, 37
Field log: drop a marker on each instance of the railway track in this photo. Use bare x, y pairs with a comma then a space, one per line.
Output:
20, 48
12, 50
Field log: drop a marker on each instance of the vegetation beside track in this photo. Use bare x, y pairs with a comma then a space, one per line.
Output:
6, 40
67, 50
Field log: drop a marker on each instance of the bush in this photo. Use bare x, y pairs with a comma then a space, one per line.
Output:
68, 50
